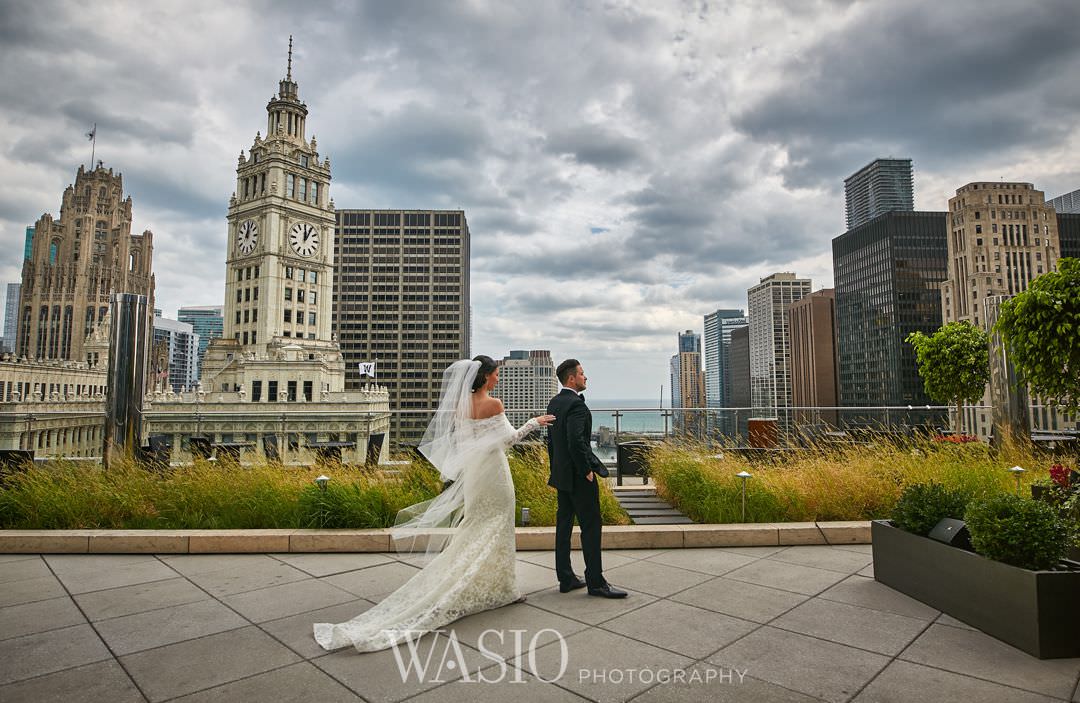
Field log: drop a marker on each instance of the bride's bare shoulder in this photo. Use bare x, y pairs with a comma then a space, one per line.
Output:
483, 408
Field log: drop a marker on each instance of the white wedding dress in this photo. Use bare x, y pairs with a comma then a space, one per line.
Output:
474, 571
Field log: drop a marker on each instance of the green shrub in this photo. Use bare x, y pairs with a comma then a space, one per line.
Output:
921, 506
1025, 533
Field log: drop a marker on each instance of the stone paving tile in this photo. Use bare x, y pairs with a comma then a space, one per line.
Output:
755, 552
297, 683
867, 572
186, 667
327, 564
155, 628
288, 599
506, 684
8, 558
103, 682
46, 652
532, 577
709, 561
786, 576
720, 686
248, 577
902, 682
577, 605
976, 654
374, 582
376, 677
608, 559
39, 616
188, 564
501, 623
30, 590
859, 590
740, 599
635, 554
128, 600
833, 672
692, 632
82, 573
23, 569
824, 557
654, 578
599, 663
876, 630
296, 631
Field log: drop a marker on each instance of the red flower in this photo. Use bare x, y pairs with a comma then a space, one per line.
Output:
1060, 475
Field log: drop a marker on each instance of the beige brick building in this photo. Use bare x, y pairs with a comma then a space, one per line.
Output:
76, 263
1001, 237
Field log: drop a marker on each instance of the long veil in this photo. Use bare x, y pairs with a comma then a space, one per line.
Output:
427, 526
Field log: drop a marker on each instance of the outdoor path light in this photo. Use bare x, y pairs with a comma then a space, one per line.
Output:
744, 475
524, 517
321, 481
1017, 472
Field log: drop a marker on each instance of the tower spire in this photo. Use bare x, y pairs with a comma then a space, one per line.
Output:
288, 74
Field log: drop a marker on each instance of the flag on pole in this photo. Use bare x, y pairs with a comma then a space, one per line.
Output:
367, 368
92, 133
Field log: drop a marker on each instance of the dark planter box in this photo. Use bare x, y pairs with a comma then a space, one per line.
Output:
1036, 611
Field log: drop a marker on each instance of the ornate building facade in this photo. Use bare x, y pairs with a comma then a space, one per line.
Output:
76, 263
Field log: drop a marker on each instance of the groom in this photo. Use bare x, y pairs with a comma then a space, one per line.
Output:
575, 473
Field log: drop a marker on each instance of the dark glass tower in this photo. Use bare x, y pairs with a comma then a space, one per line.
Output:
887, 274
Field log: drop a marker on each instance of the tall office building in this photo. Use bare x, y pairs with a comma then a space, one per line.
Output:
178, 345
1001, 237
769, 304
1066, 204
75, 265
11, 316
883, 185
887, 275
526, 383
688, 383
207, 321
717, 361
401, 299
740, 378
812, 332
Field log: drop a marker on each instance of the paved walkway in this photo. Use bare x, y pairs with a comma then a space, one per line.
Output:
729, 624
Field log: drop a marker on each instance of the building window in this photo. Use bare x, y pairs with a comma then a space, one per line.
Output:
978, 229
303, 160
288, 272
303, 189
315, 192
290, 185
311, 318
247, 295
239, 295
311, 294
245, 338
288, 294
255, 315
300, 274
247, 316
300, 295
271, 391
288, 315
256, 391
292, 391
255, 293
313, 277
307, 390
238, 317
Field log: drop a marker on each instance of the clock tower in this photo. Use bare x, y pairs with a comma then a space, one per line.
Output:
279, 263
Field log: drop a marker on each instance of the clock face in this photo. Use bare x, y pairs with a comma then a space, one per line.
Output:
246, 236
304, 239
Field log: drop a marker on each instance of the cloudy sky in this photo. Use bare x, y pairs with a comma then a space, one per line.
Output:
625, 167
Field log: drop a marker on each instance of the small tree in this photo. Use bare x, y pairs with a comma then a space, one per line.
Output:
1041, 329
954, 364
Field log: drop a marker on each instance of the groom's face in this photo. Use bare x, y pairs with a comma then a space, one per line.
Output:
577, 381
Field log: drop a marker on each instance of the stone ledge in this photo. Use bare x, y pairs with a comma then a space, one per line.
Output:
353, 541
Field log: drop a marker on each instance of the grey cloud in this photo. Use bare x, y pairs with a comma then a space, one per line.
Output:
595, 146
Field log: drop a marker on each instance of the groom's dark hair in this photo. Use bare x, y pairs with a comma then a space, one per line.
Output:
566, 368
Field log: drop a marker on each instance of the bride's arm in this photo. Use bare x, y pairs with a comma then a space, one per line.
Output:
534, 423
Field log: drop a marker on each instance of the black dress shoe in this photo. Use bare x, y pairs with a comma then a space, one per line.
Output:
606, 591
571, 586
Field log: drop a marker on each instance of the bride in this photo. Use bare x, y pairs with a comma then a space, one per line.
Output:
469, 526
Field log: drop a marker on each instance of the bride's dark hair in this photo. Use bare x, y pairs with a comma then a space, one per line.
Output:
487, 365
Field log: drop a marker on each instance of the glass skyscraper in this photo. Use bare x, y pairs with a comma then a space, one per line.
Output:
883, 185
718, 328
207, 322
887, 274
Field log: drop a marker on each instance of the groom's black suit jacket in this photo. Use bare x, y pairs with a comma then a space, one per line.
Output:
569, 454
